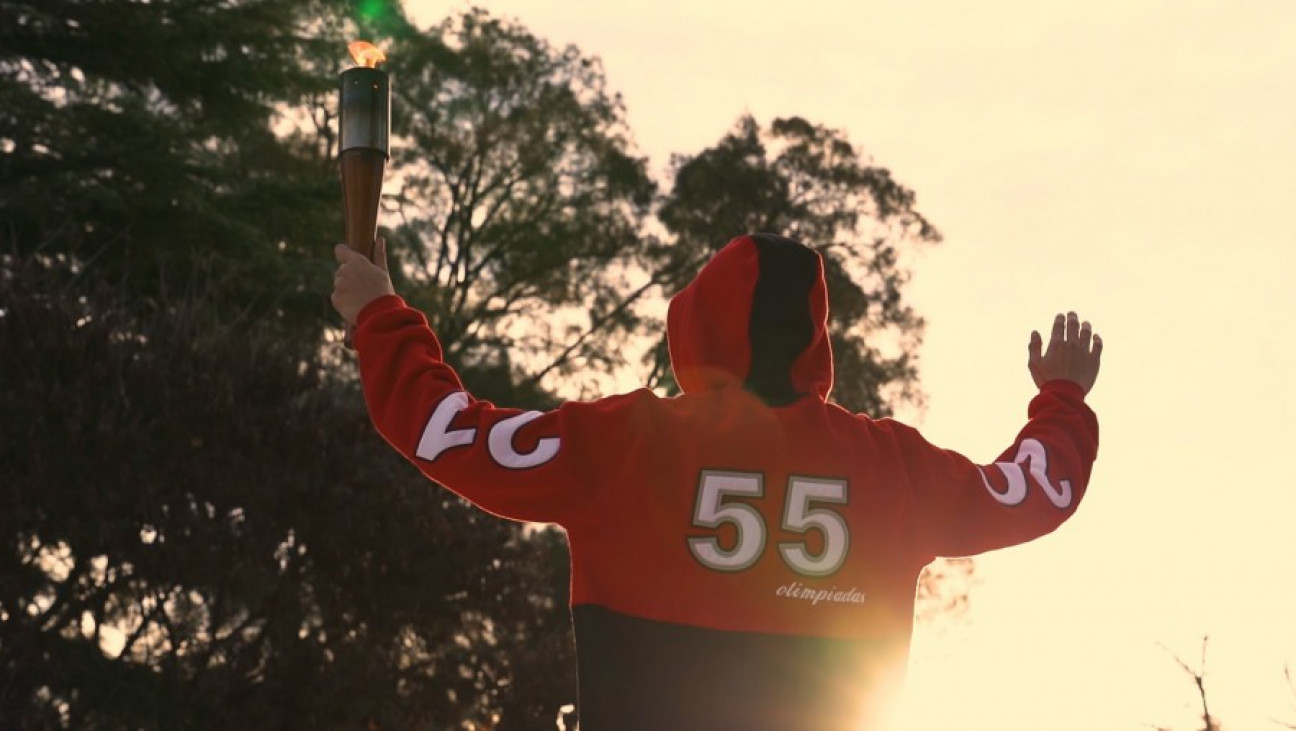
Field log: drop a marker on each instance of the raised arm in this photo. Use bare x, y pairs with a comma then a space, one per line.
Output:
1034, 485
513, 463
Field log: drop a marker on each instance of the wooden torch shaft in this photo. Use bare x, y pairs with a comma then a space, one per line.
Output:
362, 176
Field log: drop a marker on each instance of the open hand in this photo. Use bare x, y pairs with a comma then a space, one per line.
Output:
1074, 352
359, 281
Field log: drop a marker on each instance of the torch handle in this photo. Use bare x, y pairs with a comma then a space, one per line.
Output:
362, 174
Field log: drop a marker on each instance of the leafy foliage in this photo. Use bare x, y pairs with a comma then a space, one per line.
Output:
140, 141
518, 193
204, 532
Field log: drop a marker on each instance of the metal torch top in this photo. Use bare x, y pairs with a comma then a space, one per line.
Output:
364, 110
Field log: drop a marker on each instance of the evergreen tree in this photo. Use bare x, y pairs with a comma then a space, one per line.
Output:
204, 532
140, 142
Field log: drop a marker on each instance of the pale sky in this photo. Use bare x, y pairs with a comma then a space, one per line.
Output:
1133, 161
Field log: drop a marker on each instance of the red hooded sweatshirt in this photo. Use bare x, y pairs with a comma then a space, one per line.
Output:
745, 555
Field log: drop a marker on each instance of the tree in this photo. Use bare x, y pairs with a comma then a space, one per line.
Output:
139, 141
520, 205
203, 533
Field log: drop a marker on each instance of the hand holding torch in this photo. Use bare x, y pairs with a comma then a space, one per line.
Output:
364, 121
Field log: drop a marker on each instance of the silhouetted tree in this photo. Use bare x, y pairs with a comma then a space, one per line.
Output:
205, 532
140, 141
520, 205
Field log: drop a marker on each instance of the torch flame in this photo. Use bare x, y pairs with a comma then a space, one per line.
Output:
366, 54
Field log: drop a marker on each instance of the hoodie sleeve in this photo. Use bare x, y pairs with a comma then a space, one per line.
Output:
515, 464
1031, 489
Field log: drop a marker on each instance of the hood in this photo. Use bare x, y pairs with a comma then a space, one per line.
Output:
755, 316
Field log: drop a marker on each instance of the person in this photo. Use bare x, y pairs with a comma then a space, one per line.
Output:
743, 555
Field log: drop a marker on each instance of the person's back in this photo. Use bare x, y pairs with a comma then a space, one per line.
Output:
743, 567
744, 555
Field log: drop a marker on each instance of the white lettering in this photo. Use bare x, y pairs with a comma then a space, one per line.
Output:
1033, 450
797, 590
1030, 451
1016, 491
500, 441
437, 435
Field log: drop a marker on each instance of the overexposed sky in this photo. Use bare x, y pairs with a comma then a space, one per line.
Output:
1130, 160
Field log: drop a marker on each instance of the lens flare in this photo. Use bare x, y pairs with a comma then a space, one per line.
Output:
372, 10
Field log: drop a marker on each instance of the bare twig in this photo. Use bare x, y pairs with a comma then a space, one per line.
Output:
1210, 723
1291, 686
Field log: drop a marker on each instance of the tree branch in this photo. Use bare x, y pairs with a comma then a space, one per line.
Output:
1199, 679
657, 279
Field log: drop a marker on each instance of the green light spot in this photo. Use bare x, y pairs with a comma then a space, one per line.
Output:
372, 10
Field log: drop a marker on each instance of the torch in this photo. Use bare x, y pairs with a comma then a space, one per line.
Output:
364, 121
